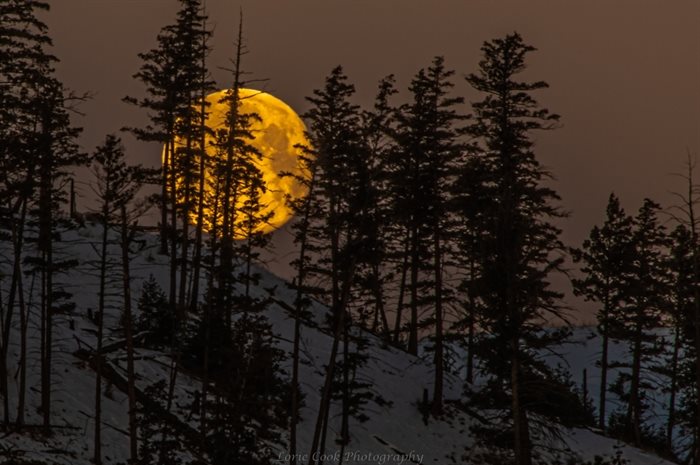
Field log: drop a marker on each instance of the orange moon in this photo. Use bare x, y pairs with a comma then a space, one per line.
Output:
276, 134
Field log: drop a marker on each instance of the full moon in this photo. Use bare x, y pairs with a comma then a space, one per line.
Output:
276, 134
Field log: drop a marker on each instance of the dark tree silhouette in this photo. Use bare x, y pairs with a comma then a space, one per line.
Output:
641, 314
606, 258
521, 247
175, 85
681, 295
116, 186
427, 136
685, 213
338, 232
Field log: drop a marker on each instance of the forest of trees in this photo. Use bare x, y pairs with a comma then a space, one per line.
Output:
428, 223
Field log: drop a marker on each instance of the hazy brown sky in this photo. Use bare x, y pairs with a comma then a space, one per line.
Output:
624, 74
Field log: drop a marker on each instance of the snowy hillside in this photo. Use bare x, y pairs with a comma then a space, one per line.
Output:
394, 433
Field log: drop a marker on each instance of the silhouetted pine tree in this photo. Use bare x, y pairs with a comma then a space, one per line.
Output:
155, 448
175, 84
338, 233
467, 203
189, 158
519, 250
24, 59
374, 277
419, 173
638, 320
154, 315
685, 213
606, 258
203, 166
116, 186
681, 296
243, 397
304, 211
47, 144
427, 135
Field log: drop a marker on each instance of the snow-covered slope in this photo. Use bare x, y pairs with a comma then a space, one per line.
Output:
395, 432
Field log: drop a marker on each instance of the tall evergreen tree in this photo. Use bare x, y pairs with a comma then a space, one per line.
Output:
467, 201
116, 185
374, 276
176, 83
427, 136
340, 236
302, 207
637, 320
37, 147
685, 213
24, 60
52, 151
606, 257
521, 247
681, 296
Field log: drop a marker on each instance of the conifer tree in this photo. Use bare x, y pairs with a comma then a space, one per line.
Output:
645, 304
51, 149
203, 164
606, 257
116, 186
521, 247
423, 167
24, 59
467, 202
302, 207
375, 276
154, 315
37, 143
341, 199
685, 213
176, 83
680, 306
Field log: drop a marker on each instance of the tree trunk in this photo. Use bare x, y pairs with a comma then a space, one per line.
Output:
167, 160
345, 422
693, 226
128, 330
22, 382
205, 368
603, 378
173, 232
298, 306
674, 382
186, 207
46, 246
604, 357
4, 385
208, 307
6, 323
697, 355
402, 292
521, 436
330, 369
100, 328
471, 320
634, 409
439, 357
379, 302
196, 261
413, 330
174, 308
